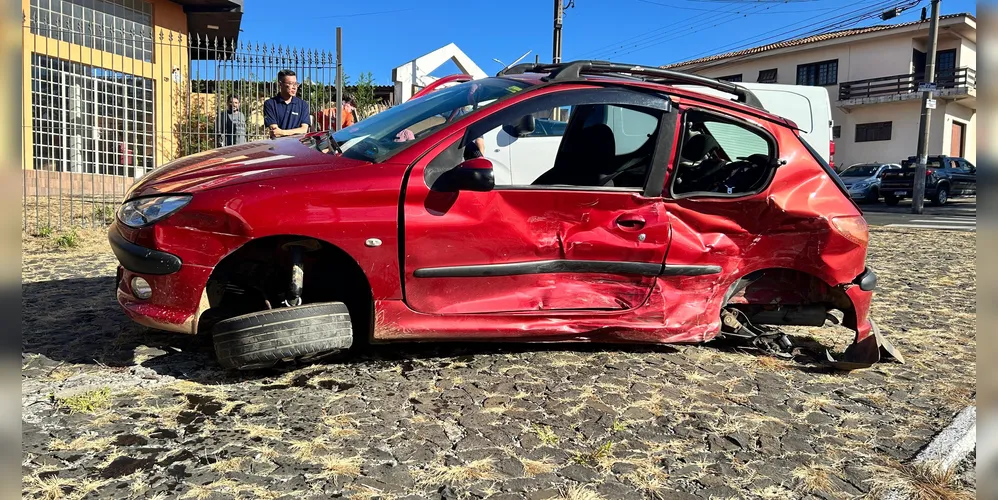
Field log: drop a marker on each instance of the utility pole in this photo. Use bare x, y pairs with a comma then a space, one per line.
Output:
339, 79
559, 12
918, 191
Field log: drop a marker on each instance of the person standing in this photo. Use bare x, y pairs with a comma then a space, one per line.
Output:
286, 114
326, 116
231, 126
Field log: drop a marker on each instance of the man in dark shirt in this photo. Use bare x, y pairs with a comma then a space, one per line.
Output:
286, 114
231, 126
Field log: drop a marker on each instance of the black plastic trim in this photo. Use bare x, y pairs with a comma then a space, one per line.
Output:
867, 281
677, 270
564, 266
139, 259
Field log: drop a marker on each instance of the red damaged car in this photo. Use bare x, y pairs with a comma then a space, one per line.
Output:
630, 210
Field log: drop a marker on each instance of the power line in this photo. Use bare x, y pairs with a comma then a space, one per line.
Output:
827, 25
613, 46
653, 41
736, 12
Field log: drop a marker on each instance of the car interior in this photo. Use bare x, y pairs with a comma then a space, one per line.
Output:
719, 156
588, 154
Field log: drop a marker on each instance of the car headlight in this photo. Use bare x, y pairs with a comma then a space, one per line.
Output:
861, 185
145, 211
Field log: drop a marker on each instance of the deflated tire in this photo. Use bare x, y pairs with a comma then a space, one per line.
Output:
261, 339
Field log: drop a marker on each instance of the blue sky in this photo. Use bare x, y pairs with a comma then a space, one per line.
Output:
378, 36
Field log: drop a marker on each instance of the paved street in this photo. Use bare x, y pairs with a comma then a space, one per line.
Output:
114, 410
957, 215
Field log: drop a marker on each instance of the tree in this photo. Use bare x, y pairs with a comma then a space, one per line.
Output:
364, 96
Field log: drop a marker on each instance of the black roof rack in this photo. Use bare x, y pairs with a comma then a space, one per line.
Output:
574, 70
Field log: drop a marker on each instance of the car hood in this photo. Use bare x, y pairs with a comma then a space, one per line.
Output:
251, 162
849, 181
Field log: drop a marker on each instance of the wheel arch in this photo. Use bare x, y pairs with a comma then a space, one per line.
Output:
331, 274
774, 286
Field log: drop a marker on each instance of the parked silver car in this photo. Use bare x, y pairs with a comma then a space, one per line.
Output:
863, 180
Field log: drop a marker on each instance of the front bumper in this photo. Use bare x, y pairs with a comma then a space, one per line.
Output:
140, 259
178, 296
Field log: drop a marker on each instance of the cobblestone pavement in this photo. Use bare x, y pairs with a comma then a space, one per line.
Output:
111, 409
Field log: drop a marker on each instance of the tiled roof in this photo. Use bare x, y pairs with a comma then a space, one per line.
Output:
811, 39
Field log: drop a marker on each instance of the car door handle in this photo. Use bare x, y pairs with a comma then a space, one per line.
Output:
630, 222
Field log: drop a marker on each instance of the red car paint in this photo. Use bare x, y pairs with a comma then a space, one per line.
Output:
284, 187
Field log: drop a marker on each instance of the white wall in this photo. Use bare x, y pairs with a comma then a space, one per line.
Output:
904, 134
961, 114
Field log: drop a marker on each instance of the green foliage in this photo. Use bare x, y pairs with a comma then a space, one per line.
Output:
45, 231
86, 402
364, 96
595, 456
546, 435
68, 240
104, 213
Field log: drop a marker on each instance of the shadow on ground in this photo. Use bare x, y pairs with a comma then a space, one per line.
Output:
78, 321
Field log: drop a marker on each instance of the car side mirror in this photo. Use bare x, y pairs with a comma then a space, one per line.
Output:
523, 127
475, 174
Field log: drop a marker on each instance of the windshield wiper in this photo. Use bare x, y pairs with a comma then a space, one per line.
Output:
335, 145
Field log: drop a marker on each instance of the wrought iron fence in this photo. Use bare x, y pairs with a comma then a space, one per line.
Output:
109, 98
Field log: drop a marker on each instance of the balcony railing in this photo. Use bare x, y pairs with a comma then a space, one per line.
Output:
904, 84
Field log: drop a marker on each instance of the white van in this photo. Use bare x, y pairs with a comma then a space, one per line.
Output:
808, 107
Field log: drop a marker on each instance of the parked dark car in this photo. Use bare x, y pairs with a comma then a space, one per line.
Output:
945, 177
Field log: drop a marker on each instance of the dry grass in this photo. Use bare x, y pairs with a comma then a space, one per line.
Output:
254, 431
579, 492
234, 464
537, 467
917, 482
87, 442
308, 449
813, 478
470, 472
335, 466
53, 488
648, 476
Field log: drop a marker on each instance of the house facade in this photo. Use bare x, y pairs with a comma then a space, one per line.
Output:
100, 79
872, 76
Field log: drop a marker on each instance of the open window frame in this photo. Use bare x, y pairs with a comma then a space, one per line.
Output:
597, 95
692, 112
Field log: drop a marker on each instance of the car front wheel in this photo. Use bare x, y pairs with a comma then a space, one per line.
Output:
941, 197
873, 196
262, 339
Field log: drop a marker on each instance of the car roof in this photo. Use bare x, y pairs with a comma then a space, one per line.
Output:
537, 79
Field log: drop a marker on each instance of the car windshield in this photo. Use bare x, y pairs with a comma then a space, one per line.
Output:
376, 137
860, 171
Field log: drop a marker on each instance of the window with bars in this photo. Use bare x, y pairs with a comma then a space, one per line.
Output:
836, 131
731, 78
946, 60
767, 76
877, 131
819, 73
122, 27
90, 120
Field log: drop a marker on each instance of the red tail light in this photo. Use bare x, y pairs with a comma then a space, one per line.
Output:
929, 171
